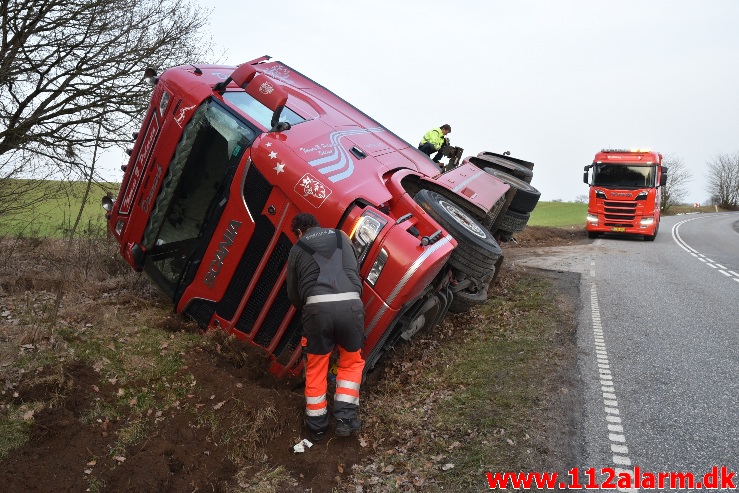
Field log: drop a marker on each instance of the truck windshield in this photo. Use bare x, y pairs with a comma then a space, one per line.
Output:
193, 193
258, 111
624, 176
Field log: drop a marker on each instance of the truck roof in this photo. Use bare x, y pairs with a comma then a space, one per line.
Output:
312, 101
337, 144
631, 156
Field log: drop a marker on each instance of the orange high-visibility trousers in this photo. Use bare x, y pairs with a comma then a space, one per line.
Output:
316, 372
346, 397
348, 380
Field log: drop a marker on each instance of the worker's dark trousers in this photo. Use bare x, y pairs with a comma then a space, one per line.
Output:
326, 325
428, 149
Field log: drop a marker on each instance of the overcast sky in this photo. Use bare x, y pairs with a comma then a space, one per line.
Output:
550, 81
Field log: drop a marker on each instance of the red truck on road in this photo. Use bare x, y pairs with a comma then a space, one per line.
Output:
226, 156
625, 192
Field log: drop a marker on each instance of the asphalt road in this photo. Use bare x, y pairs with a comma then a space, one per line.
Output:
658, 339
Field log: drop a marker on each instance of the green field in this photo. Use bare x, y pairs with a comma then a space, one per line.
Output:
558, 214
54, 215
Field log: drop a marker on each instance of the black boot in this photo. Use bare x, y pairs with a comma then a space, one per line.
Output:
345, 427
316, 435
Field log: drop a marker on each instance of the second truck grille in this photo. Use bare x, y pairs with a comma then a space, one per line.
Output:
619, 212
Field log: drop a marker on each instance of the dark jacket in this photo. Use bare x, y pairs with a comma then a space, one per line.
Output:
302, 269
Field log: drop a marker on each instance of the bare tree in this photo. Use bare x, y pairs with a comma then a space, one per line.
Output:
723, 179
67, 66
678, 177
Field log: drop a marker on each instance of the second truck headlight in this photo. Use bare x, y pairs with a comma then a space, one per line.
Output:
377, 267
365, 232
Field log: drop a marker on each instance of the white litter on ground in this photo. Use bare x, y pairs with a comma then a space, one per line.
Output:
300, 447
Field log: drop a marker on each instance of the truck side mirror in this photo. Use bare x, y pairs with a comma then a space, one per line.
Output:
663, 179
264, 90
242, 76
585, 176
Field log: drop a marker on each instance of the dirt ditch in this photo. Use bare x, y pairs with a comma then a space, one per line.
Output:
231, 426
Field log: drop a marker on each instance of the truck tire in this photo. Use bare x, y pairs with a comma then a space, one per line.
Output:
652, 237
526, 196
514, 222
519, 171
525, 164
477, 251
464, 301
593, 234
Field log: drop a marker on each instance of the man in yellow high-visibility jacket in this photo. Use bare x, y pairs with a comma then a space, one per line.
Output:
435, 140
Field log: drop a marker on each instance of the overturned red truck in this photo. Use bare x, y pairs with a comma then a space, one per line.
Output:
226, 156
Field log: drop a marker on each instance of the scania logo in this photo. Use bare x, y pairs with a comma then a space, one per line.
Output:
217, 263
620, 194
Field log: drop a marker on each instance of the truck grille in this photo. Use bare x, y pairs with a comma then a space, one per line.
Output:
256, 193
619, 213
260, 294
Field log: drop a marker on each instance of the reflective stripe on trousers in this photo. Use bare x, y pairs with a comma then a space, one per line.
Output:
348, 380
316, 410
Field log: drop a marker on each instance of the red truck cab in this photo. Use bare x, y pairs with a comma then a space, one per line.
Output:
227, 156
625, 192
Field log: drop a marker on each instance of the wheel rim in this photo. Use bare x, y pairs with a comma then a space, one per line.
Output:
462, 218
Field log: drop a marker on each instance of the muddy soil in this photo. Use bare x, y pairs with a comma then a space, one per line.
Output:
180, 449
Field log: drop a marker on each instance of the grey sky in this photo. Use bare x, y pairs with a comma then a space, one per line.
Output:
551, 81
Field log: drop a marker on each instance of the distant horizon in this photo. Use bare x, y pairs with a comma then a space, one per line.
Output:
550, 84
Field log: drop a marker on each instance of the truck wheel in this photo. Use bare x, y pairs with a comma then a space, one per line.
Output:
593, 234
477, 251
526, 196
526, 164
514, 222
464, 301
501, 164
652, 237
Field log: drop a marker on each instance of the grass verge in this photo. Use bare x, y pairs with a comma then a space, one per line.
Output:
488, 393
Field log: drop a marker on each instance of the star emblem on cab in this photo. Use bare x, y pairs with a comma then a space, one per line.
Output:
279, 168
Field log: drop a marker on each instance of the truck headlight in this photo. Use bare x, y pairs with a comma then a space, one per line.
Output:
592, 219
365, 232
377, 267
646, 221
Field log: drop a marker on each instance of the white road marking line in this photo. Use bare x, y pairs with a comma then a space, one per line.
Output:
692, 251
620, 460
615, 428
